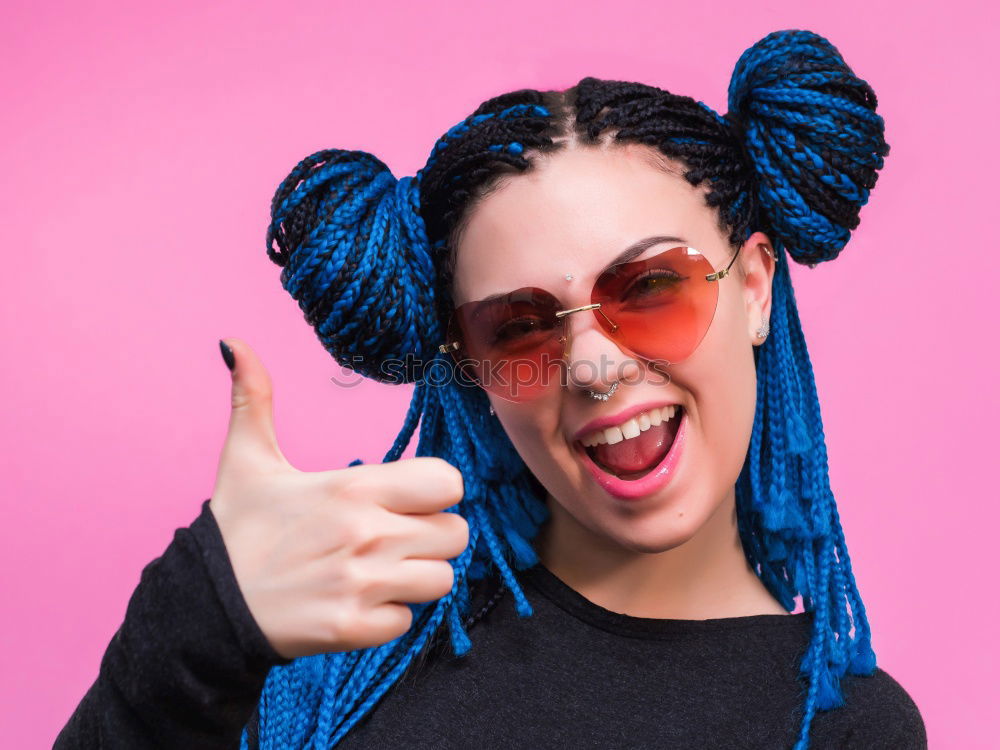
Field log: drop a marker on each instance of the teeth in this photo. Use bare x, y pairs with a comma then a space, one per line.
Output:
630, 428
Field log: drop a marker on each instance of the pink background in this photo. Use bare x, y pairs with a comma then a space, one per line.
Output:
141, 147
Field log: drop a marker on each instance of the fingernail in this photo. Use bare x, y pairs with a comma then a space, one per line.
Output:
227, 355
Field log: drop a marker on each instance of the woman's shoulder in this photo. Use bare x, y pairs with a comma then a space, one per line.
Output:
878, 713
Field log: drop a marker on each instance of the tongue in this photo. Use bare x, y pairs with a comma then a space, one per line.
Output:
638, 454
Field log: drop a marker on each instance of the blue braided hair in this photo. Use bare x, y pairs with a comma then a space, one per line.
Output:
369, 258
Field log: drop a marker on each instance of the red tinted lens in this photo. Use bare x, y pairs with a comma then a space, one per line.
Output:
511, 345
658, 308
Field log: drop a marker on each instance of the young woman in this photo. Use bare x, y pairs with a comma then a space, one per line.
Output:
621, 497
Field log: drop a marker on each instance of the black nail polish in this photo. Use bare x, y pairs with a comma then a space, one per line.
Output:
227, 355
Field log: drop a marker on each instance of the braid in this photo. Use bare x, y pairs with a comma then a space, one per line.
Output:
370, 259
353, 254
815, 139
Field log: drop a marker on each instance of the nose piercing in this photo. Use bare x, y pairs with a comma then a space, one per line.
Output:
569, 277
606, 395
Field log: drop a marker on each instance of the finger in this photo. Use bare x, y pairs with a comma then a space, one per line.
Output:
414, 485
383, 623
437, 536
414, 581
251, 419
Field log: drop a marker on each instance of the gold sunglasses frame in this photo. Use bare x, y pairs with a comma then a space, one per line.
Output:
451, 346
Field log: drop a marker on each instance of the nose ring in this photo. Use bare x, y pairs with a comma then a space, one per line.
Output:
564, 339
606, 395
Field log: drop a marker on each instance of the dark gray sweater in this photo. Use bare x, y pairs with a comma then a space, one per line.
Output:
186, 668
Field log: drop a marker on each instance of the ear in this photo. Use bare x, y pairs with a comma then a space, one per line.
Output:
757, 260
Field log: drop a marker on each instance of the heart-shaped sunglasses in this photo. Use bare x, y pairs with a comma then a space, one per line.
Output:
659, 309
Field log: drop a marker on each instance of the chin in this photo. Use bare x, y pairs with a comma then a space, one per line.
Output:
662, 528
652, 543
666, 522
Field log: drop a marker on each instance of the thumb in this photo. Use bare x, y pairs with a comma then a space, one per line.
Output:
251, 420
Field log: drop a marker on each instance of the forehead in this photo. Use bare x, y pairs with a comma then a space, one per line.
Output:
574, 213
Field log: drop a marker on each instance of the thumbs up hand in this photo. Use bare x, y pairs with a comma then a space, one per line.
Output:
327, 561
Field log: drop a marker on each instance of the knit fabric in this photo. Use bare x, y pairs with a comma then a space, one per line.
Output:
187, 666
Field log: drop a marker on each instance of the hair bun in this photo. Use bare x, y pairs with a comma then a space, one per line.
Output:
814, 138
355, 256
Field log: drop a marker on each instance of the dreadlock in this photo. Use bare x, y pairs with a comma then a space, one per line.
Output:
369, 258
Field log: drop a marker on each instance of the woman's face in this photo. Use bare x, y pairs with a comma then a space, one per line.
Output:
572, 215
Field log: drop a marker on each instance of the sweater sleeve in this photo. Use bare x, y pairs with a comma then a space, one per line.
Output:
187, 665
884, 716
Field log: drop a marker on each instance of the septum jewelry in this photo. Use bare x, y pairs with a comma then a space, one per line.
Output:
606, 395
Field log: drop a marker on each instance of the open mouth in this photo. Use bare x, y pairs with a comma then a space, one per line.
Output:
635, 447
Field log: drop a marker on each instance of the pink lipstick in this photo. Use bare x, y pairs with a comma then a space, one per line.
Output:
657, 477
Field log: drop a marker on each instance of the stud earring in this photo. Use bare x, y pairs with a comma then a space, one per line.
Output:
492, 412
763, 330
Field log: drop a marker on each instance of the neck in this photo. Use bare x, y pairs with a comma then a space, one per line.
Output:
706, 577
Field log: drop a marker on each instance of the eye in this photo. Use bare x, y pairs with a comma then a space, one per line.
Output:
517, 330
653, 286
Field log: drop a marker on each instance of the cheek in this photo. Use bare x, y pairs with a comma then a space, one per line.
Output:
535, 432
725, 386
532, 428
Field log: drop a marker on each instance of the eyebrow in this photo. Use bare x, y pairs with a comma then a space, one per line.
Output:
638, 248
631, 252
